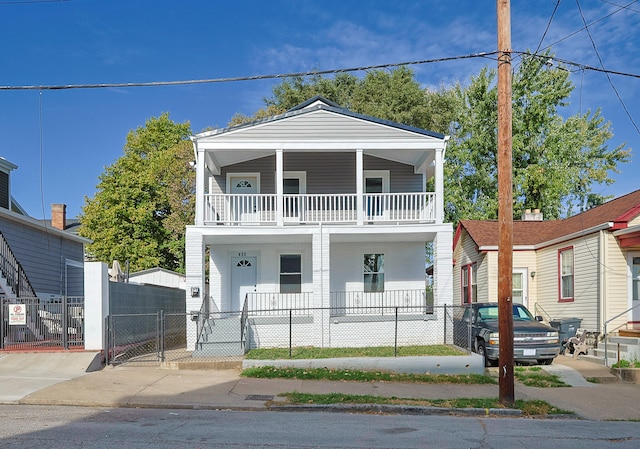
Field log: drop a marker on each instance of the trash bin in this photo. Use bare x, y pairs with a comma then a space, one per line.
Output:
566, 328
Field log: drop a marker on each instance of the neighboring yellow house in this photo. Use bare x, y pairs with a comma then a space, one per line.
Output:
586, 266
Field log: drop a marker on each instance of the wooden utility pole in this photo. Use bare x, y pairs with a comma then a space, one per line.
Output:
505, 205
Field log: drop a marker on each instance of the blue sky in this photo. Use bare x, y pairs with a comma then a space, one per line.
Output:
62, 140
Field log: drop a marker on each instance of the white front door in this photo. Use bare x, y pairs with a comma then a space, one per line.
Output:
520, 287
634, 294
243, 280
244, 203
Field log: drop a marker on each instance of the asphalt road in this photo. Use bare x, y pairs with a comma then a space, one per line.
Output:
91, 428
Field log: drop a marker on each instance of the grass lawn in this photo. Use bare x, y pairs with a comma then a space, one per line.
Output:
308, 352
535, 376
270, 372
528, 408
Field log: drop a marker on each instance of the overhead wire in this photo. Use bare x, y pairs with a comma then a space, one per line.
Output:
595, 48
247, 78
546, 30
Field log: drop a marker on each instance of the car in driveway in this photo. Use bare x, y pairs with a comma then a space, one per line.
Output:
533, 341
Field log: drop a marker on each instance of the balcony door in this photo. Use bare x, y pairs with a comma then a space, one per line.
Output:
376, 185
294, 185
244, 201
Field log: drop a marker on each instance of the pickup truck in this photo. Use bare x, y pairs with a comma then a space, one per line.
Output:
533, 341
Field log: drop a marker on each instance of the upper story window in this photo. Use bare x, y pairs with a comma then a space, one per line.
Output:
565, 268
290, 273
373, 273
468, 278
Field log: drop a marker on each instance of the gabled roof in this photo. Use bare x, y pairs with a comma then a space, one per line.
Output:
320, 125
314, 104
615, 213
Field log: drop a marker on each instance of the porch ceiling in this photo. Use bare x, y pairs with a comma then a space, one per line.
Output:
417, 157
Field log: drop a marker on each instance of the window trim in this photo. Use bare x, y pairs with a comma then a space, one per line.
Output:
231, 175
471, 282
280, 273
560, 275
365, 273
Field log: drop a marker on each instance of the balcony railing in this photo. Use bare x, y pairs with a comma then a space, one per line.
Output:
277, 304
406, 302
381, 303
319, 208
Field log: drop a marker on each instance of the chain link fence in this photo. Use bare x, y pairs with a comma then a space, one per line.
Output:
199, 336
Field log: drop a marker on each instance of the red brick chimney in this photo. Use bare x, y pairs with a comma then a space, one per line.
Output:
59, 216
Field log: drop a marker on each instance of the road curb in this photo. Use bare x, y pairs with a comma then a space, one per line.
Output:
397, 409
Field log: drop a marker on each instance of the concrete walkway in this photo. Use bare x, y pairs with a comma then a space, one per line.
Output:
125, 386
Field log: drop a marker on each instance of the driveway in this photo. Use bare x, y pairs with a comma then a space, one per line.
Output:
23, 374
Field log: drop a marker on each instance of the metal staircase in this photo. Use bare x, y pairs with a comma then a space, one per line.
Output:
13, 274
15, 285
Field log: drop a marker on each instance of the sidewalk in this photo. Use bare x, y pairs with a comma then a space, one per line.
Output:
225, 389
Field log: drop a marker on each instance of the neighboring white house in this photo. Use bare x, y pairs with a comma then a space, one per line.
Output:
324, 211
158, 276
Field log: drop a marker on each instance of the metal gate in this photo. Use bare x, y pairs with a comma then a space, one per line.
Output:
36, 324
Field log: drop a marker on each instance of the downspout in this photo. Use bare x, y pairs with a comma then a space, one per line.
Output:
602, 274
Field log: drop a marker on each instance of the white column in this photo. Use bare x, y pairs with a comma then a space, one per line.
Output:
443, 266
439, 185
321, 256
96, 304
195, 280
200, 185
360, 186
279, 187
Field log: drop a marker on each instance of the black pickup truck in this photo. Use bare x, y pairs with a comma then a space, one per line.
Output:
533, 341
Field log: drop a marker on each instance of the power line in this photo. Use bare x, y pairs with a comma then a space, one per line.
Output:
487, 55
246, 78
592, 23
548, 26
595, 48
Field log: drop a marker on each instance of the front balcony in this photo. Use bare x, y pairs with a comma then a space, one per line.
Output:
370, 208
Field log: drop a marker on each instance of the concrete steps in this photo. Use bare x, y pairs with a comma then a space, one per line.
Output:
220, 338
617, 347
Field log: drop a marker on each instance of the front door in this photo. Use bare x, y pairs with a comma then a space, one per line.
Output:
519, 287
244, 199
634, 296
243, 280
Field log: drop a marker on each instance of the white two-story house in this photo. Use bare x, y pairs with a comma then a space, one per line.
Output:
322, 215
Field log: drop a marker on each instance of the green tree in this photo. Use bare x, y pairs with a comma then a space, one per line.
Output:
556, 161
144, 200
386, 94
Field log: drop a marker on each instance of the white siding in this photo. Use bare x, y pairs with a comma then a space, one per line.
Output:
465, 253
616, 282
586, 282
634, 222
403, 265
323, 126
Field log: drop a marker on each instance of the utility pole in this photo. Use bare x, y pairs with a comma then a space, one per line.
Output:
505, 205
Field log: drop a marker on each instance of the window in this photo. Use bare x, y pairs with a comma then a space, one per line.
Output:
635, 274
469, 282
373, 273
290, 273
565, 263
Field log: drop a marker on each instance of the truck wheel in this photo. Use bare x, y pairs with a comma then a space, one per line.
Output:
482, 350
